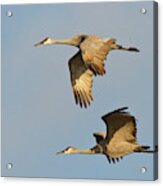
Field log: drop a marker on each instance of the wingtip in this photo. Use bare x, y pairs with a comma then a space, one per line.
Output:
134, 49
122, 108
117, 110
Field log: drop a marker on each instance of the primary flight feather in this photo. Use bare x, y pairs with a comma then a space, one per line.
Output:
87, 62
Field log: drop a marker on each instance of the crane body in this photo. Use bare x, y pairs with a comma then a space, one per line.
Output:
87, 62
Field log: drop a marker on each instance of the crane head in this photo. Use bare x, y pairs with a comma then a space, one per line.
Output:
68, 150
46, 41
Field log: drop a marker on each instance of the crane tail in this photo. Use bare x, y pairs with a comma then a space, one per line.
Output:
120, 47
144, 149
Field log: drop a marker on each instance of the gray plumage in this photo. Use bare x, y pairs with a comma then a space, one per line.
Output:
87, 62
119, 140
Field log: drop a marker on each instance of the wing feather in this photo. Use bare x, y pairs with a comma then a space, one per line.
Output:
94, 52
116, 120
99, 136
81, 80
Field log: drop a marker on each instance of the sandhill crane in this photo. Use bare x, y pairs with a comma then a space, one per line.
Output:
88, 61
118, 141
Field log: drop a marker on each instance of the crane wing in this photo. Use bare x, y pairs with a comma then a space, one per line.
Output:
81, 80
120, 120
99, 136
123, 141
94, 52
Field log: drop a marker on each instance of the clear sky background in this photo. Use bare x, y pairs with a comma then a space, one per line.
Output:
39, 115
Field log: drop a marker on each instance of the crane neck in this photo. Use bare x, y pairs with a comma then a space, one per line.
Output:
83, 151
64, 42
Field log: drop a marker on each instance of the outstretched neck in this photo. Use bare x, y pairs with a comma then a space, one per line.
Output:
83, 151
64, 42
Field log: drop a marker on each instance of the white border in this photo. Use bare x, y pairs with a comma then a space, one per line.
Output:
41, 182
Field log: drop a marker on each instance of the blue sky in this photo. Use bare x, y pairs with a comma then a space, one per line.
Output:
39, 115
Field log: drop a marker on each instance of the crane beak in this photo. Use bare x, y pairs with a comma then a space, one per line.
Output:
38, 44
60, 152
43, 42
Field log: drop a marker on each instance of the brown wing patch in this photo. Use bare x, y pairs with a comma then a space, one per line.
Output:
81, 80
116, 120
94, 52
99, 136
